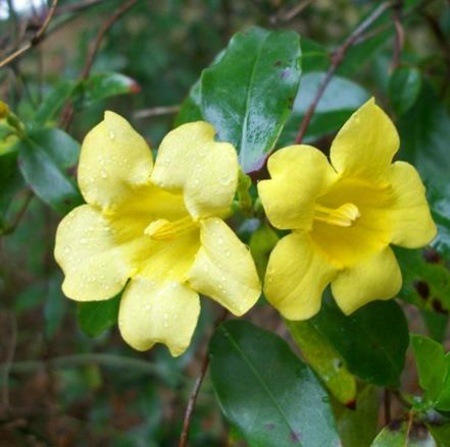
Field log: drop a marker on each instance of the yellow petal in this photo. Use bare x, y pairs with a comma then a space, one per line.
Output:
409, 215
299, 174
189, 160
158, 312
95, 267
114, 159
296, 276
224, 269
376, 278
365, 145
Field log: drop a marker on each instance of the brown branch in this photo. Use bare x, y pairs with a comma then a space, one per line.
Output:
194, 393
9, 340
336, 61
35, 40
67, 113
399, 34
156, 111
387, 406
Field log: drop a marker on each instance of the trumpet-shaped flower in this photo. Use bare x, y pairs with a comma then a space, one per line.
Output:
156, 231
343, 217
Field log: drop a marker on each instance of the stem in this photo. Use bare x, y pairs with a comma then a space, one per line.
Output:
336, 61
399, 34
67, 113
195, 390
35, 40
387, 406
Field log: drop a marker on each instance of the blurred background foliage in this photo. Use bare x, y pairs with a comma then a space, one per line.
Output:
67, 385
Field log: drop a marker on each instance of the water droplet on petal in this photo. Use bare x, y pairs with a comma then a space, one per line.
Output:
220, 241
66, 249
103, 173
83, 240
111, 135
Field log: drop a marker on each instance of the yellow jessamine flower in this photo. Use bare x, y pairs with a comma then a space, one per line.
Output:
343, 216
157, 231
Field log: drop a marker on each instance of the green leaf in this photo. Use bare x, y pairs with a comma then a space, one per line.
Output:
431, 365
97, 316
100, 86
439, 199
315, 57
191, 108
266, 391
358, 426
424, 134
43, 158
404, 88
399, 434
10, 182
325, 361
54, 101
372, 341
426, 280
340, 99
248, 94
55, 307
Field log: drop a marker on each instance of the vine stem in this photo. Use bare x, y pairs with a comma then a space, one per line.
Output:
196, 389
67, 113
35, 40
336, 61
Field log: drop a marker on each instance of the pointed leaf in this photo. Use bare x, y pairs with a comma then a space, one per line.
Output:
372, 341
325, 361
97, 316
266, 391
248, 94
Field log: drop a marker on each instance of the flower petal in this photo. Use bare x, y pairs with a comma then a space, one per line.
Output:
410, 216
366, 144
114, 158
189, 160
158, 312
296, 276
224, 269
299, 174
377, 278
95, 267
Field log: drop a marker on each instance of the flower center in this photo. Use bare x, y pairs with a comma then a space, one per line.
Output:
344, 216
165, 230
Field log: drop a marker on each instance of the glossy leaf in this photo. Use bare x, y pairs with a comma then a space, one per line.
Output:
439, 199
100, 86
54, 101
372, 341
340, 99
248, 94
97, 316
266, 391
400, 434
325, 361
426, 279
404, 88
43, 159
315, 57
358, 425
424, 135
433, 366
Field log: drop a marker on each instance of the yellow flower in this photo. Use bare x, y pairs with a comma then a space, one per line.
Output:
343, 216
157, 231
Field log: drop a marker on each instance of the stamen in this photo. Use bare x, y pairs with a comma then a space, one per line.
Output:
344, 216
165, 230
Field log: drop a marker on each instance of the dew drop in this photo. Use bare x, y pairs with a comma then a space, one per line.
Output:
66, 249
83, 240
166, 325
111, 135
220, 241
227, 253
103, 173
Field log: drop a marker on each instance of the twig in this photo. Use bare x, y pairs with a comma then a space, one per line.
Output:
35, 40
108, 360
336, 61
18, 217
156, 111
289, 15
387, 406
67, 113
194, 393
9, 339
399, 33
